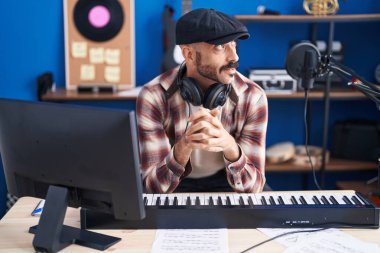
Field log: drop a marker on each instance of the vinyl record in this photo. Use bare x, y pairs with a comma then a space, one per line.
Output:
98, 20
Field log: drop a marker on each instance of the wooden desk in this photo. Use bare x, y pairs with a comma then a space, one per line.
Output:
14, 236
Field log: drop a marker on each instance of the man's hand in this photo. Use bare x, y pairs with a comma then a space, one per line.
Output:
206, 132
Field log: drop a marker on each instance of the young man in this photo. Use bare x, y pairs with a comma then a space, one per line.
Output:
202, 126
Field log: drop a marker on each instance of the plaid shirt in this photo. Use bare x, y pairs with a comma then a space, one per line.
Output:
162, 122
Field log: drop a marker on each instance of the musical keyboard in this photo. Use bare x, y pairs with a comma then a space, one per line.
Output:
283, 209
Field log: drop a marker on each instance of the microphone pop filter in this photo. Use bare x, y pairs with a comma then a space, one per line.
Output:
296, 57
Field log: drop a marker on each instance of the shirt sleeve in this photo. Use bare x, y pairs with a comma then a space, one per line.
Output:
247, 174
161, 173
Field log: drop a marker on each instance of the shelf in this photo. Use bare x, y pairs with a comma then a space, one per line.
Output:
72, 95
62, 94
362, 187
334, 94
334, 165
310, 18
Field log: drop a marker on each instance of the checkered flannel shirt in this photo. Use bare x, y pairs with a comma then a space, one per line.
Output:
162, 122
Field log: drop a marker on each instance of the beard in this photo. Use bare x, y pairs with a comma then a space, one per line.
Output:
210, 71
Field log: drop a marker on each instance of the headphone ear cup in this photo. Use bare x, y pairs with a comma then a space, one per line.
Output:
190, 91
215, 96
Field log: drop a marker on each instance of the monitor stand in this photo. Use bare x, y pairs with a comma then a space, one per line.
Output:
52, 236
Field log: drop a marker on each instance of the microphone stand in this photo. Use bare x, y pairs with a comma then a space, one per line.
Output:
372, 91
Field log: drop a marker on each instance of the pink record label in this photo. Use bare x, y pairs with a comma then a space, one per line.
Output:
99, 16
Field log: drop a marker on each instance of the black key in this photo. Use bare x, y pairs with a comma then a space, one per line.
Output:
188, 201
145, 201
250, 201
197, 201
347, 201
228, 201
241, 201
211, 201
294, 201
356, 200
271, 200
316, 200
166, 201
175, 201
303, 201
220, 202
158, 201
333, 200
325, 201
281, 201
263, 201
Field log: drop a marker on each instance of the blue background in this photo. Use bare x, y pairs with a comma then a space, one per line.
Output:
32, 42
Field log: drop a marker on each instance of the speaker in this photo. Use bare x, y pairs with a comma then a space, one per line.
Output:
215, 95
45, 82
357, 139
99, 44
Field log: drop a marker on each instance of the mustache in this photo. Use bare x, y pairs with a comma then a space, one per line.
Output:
230, 65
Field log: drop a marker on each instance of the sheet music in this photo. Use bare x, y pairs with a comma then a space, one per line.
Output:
326, 241
191, 241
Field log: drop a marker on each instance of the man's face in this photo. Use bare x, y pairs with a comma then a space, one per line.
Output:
217, 62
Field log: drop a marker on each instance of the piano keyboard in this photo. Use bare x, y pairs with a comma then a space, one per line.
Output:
258, 199
245, 210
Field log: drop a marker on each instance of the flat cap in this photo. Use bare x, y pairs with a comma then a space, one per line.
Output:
209, 25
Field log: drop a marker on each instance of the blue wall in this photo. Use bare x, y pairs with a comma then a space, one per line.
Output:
32, 42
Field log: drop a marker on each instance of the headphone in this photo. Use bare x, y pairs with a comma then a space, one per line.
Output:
215, 95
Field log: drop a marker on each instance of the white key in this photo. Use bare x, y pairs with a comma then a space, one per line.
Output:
154, 199
244, 198
254, 198
361, 201
149, 198
286, 198
232, 199
339, 198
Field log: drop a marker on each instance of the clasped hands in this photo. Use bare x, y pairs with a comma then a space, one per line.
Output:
206, 132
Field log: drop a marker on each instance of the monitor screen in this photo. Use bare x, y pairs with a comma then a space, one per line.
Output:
90, 151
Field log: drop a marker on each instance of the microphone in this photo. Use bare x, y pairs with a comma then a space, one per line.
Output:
302, 63
308, 70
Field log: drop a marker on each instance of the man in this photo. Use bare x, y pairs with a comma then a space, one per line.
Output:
202, 126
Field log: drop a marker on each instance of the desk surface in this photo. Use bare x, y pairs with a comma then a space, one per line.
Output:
15, 238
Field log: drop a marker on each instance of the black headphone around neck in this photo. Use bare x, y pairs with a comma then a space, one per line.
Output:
215, 95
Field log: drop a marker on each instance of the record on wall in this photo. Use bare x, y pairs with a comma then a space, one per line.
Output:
99, 45
98, 20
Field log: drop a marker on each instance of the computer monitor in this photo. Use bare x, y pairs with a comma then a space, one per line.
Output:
73, 156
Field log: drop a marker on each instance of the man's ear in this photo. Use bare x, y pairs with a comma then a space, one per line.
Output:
188, 53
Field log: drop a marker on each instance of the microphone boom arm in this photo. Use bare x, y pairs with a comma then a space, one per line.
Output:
328, 64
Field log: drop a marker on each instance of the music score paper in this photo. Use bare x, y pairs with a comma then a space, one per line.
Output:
326, 241
190, 241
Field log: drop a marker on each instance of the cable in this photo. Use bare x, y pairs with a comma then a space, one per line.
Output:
281, 235
309, 231
307, 139
189, 114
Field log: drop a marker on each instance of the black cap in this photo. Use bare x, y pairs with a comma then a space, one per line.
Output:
209, 25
